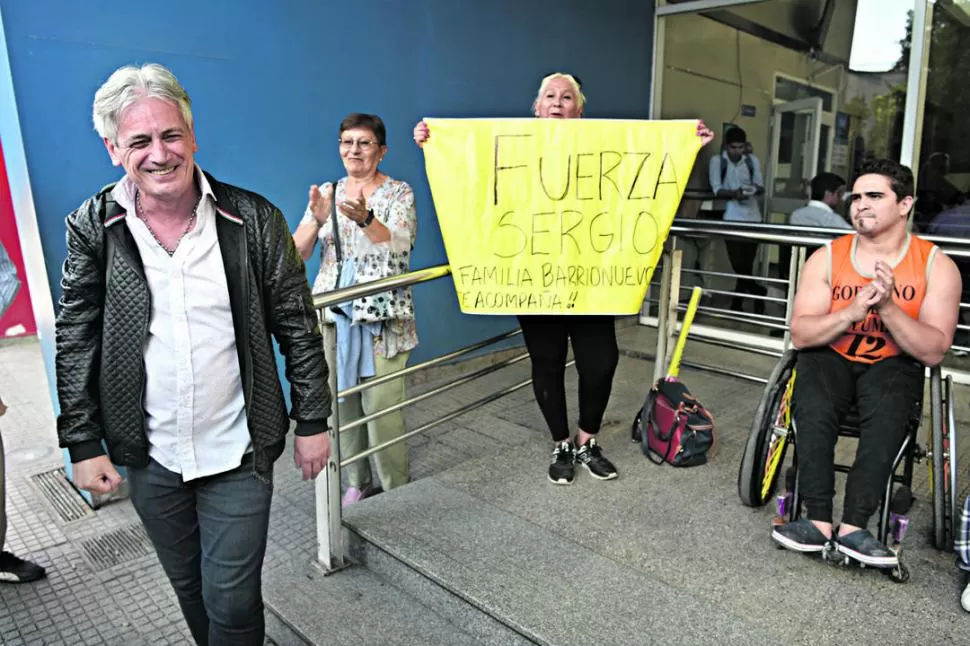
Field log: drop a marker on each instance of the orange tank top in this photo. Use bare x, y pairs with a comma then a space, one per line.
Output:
868, 340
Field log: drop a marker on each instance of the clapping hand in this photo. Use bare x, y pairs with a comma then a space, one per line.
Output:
355, 209
885, 284
321, 202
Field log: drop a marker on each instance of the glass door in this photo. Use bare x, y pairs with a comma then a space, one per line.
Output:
796, 134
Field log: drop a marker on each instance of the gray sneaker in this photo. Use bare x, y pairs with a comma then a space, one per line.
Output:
801, 536
862, 546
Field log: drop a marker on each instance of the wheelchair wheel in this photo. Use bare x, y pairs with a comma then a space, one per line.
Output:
770, 435
951, 461
943, 460
898, 574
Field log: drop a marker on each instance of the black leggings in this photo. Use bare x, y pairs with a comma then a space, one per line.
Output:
826, 386
594, 347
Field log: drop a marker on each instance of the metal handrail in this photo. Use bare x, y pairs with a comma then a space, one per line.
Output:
430, 363
724, 274
330, 540
329, 527
447, 417
808, 236
324, 300
686, 227
763, 320
461, 381
721, 292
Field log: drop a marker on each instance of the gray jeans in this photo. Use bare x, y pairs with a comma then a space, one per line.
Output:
210, 536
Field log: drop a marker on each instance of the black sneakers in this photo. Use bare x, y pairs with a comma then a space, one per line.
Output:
801, 536
562, 471
16, 570
862, 546
565, 456
590, 455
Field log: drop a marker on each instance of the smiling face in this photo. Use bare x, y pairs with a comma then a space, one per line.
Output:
156, 148
875, 208
559, 100
360, 151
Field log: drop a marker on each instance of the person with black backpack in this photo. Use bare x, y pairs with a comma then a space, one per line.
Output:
735, 176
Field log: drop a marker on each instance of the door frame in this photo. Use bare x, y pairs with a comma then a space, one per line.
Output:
810, 105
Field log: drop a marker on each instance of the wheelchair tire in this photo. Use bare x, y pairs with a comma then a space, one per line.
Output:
751, 474
898, 574
953, 504
938, 461
943, 469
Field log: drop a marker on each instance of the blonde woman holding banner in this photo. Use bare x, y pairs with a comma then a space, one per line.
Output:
547, 337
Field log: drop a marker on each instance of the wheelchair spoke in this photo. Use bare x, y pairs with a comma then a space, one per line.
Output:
779, 439
775, 453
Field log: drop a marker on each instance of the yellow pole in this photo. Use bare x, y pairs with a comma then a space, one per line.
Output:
695, 298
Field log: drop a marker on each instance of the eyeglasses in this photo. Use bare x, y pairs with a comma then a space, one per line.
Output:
363, 144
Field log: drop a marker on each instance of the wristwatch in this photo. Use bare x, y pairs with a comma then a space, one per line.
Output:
366, 222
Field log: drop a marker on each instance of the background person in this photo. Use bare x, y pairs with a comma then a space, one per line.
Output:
376, 225
827, 192
13, 569
735, 176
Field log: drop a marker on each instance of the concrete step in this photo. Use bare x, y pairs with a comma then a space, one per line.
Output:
351, 607
658, 556
486, 546
510, 581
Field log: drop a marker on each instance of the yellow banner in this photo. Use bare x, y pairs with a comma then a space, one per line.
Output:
549, 216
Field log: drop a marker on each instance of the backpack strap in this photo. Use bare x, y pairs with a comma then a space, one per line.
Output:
747, 162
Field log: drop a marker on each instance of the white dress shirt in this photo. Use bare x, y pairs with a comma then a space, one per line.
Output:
737, 176
818, 214
193, 396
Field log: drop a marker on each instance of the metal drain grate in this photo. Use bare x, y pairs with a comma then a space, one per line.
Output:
116, 547
62, 497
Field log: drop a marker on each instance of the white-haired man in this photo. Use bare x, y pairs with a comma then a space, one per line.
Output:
173, 285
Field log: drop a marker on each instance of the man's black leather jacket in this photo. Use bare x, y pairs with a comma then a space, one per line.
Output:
102, 329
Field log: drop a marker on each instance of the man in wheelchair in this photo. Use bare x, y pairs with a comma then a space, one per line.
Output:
871, 310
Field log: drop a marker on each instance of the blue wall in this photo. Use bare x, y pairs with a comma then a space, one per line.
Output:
270, 82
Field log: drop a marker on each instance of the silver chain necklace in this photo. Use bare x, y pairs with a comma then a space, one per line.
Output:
188, 225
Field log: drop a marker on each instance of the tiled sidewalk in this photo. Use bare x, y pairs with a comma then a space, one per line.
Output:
104, 584
96, 591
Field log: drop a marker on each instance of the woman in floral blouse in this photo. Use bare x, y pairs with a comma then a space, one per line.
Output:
376, 227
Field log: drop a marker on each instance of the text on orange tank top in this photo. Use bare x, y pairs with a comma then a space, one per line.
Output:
868, 340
